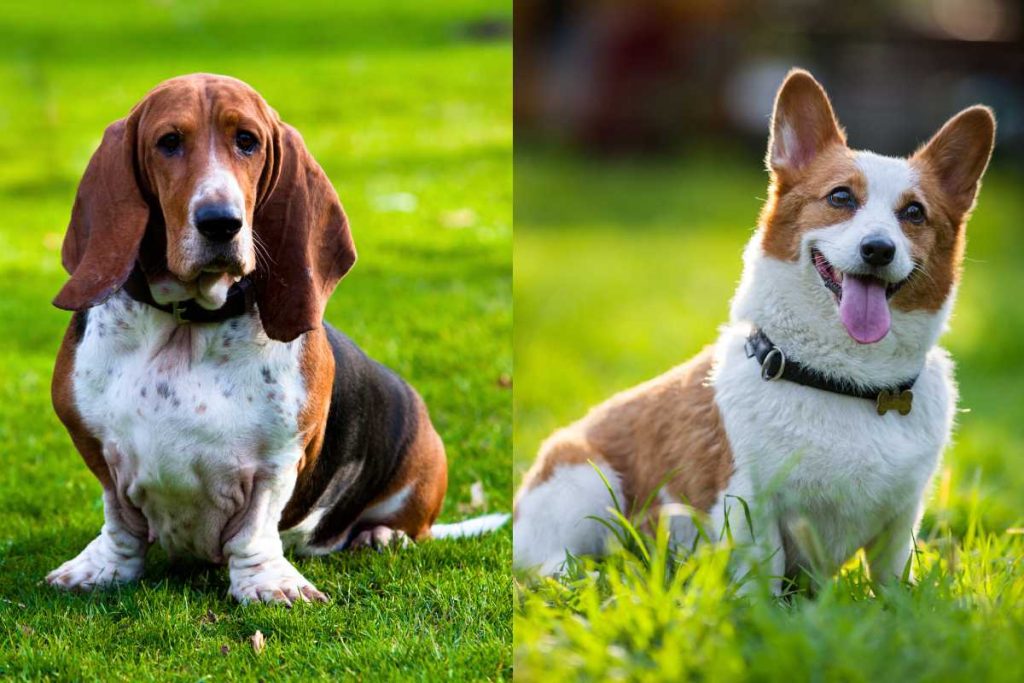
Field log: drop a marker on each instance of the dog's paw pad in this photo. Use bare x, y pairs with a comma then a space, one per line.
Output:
274, 583
92, 569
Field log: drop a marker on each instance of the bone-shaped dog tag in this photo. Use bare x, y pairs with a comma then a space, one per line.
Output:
895, 400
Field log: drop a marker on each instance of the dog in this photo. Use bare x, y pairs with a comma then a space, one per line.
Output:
222, 417
813, 427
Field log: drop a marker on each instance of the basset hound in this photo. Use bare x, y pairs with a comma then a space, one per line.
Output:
222, 417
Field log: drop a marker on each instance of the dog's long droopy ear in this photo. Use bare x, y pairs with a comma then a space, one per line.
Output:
803, 124
958, 154
108, 221
305, 235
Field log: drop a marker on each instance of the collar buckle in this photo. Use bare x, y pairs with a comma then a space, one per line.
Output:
766, 372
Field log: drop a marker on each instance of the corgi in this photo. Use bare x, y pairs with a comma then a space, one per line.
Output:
813, 426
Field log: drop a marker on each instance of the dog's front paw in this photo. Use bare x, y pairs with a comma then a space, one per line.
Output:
274, 581
101, 564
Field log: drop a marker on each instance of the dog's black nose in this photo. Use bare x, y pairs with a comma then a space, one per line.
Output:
877, 250
217, 222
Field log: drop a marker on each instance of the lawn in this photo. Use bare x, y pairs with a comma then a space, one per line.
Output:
407, 106
624, 269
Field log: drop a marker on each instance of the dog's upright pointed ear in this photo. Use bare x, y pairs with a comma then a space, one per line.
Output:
304, 234
803, 125
958, 155
108, 221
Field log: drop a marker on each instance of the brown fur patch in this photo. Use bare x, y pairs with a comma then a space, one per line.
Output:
425, 472
937, 247
63, 397
799, 203
317, 367
949, 169
669, 424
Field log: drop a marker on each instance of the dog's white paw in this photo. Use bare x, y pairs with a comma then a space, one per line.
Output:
380, 537
274, 581
101, 564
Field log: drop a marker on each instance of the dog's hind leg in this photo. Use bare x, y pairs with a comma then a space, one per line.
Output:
405, 510
555, 507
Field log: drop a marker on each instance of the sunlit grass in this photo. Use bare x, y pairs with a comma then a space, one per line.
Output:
656, 615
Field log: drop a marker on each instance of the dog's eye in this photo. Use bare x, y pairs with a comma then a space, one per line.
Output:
170, 143
912, 212
246, 141
842, 198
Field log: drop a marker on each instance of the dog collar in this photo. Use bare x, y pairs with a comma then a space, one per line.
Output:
775, 365
238, 302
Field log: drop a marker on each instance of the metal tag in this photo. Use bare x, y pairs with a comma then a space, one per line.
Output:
892, 400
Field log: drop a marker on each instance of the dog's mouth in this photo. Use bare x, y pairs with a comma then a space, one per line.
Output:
209, 288
224, 259
224, 266
863, 300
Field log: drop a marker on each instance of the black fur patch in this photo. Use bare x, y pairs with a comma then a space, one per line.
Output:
80, 320
371, 423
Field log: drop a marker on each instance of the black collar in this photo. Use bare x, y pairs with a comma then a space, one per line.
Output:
775, 365
238, 302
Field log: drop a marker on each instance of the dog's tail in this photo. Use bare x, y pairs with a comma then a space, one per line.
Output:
470, 527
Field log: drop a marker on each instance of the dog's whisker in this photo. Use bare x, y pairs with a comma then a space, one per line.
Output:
260, 249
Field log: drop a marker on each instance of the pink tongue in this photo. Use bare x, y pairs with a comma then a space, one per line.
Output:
863, 309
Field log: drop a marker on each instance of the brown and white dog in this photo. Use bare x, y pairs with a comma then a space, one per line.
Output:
196, 378
826, 403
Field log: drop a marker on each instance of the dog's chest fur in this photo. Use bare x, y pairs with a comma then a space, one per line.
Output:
188, 416
826, 458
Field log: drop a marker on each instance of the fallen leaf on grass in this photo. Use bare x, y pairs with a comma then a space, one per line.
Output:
224, 650
258, 641
208, 618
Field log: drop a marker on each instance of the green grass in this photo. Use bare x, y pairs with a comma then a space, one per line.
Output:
407, 106
624, 269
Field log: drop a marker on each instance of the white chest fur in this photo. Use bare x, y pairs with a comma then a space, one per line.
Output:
189, 416
826, 458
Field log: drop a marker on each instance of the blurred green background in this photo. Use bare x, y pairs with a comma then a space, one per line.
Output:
407, 106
